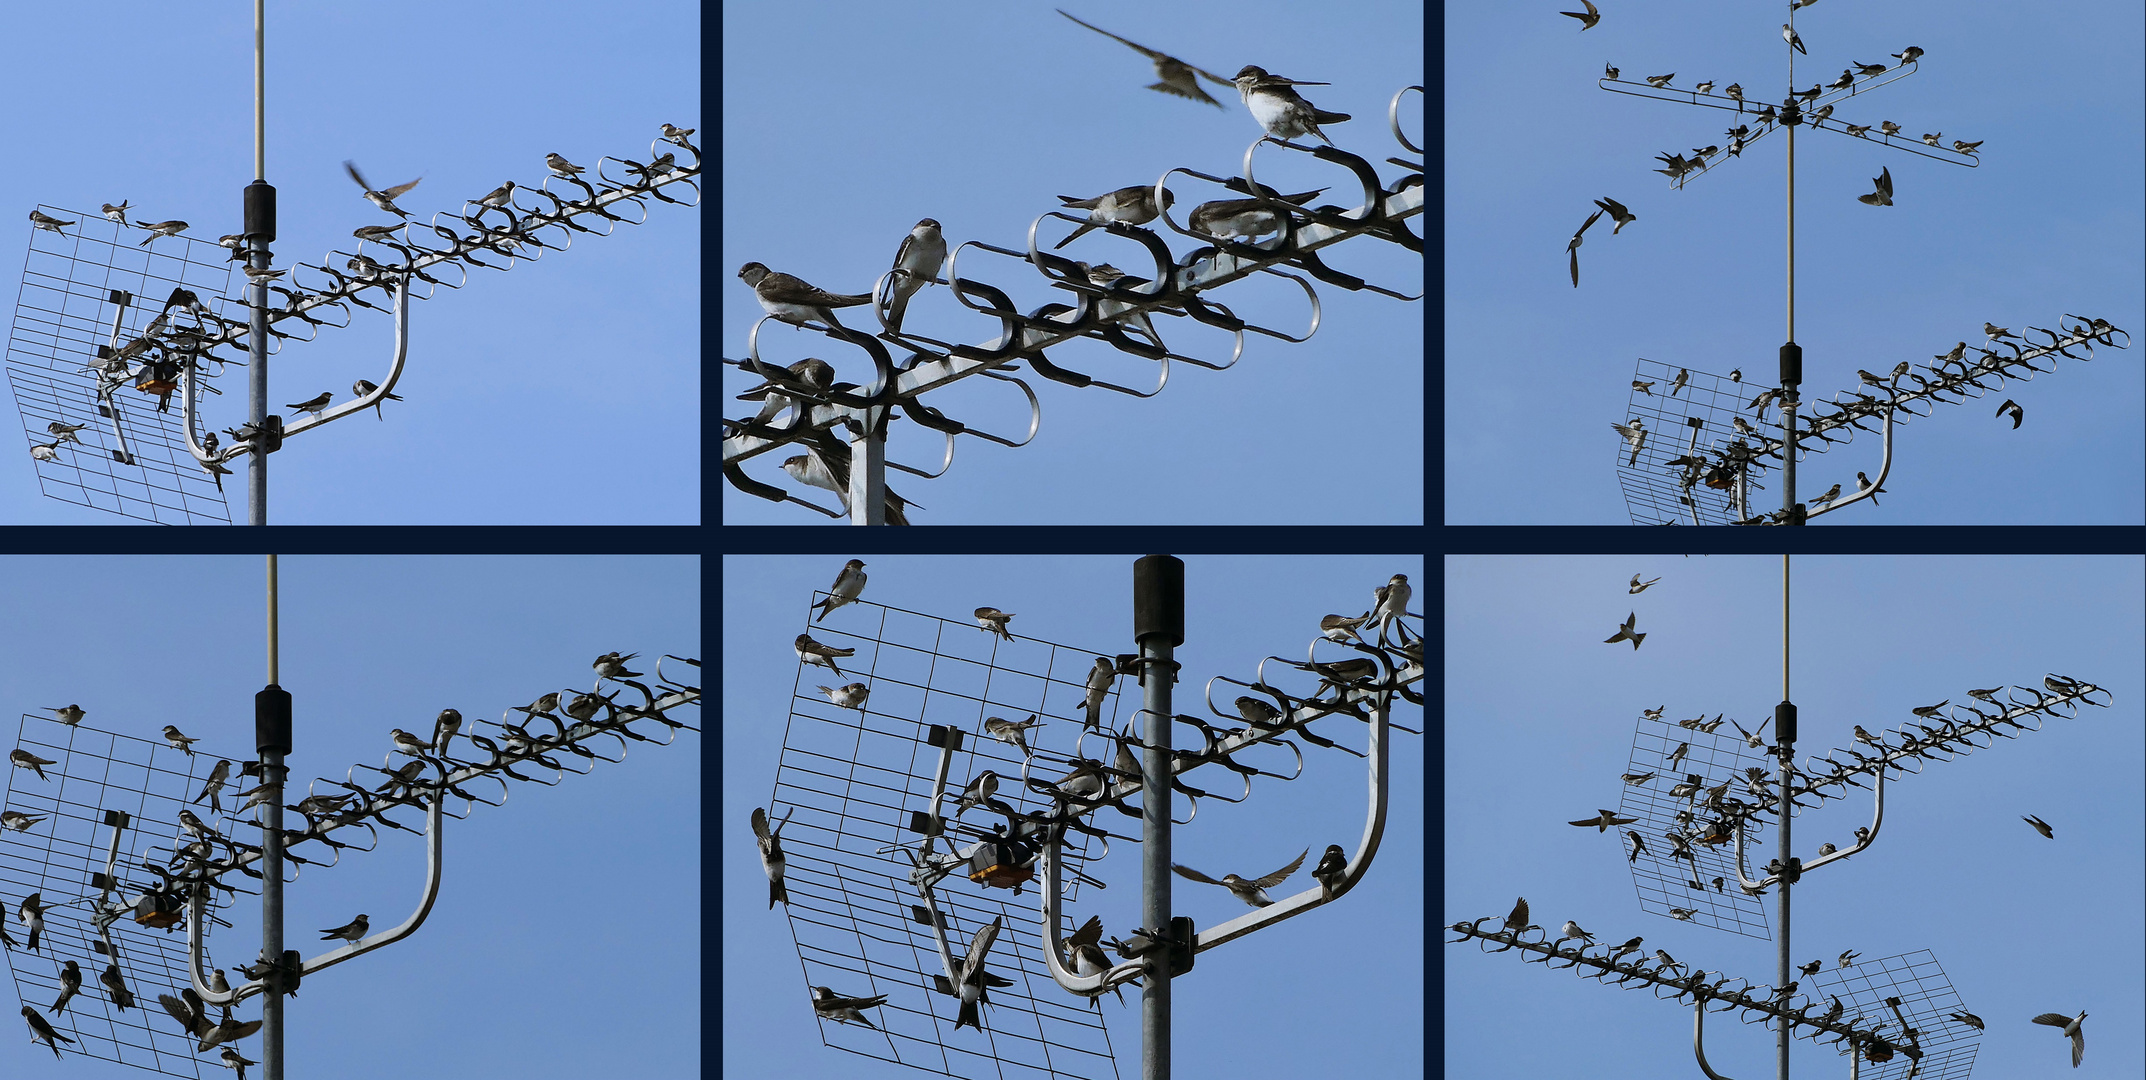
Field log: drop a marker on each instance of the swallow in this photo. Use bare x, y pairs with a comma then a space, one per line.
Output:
350, 931
234, 1060
1637, 586
794, 301
494, 199
1889, 127
1967, 147
1704, 87
2018, 414
218, 983
1660, 81
384, 199
66, 433
612, 665
1631, 946
313, 405
1931, 138
919, 258
117, 985
70, 985
1572, 247
827, 466
41, 1031
406, 743
1333, 865
970, 976
1643, 386
1826, 849
1244, 217
31, 912
994, 620
1176, 76
117, 213
585, 706
179, 741
1846, 80
161, 228
2070, 1024
1968, 1018
1883, 196
1390, 602
829, 1005
2040, 826
1847, 958
979, 791
1572, 930
1677, 754
1126, 206
1788, 34
1588, 19
1857, 130
677, 134
1085, 781
1683, 914
366, 386
848, 697
444, 727
1862, 484
1909, 56
1609, 72
777, 390
561, 167
541, 706
1831, 494
1617, 213
1625, 633
49, 224
771, 859
1100, 679
1342, 627
1252, 891
1517, 922
1635, 436
363, 268
848, 584
17, 820
813, 652
1662, 956
215, 784
1602, 823
1279, 109
1636, 779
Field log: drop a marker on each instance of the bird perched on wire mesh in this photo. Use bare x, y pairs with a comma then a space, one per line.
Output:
832, 1006
47, 222
1009, 731
771, 857
41, 1031
815, 652
848, 584
994, 620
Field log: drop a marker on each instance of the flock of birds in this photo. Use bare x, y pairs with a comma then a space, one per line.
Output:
1089, 781
157, 376
319, 812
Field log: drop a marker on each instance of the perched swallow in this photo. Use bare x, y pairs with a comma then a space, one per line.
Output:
1176, 76
218, 983
117, 985
31, 912
1847, 958
1631, 946
1342, 627
1909, 56
848, 584
1244, 217
1636, 779
179, 741
1572, 930
1390, 602
1826, 849
1862, 484
1085, 781
1846, 80
776, 392
677, 134
66, 433
1587, 19
848, 697
561, 167
979, 791
1967, 147
1883, 196
827, 466
444, 727
1635, 436
919, 258
1889, 127
1332, 866
540, 706
384, 199
406, 743
497, 197
1625, 633
1517, 922
2040, 826
813, 652
1602, 823
2070, 1024
1279, 109
1788, 34
17, 820
234, 1060
116, 213
1683, 914
1736, 94
794, 301
1126, 206
1252, 891
366, 386
771, 859
832, 1006
1660, 81
1666, 960
2018, 414
1100, 679
41, 1031
350, 931
70, 985
1968, 1018
161, 228
312, 405
1704, 87
69, 715
1931, 138
1677, 754
1831, 494
971, 976
1008, 731
585, 706
994, 620
612, 665
1572, 247
49, 224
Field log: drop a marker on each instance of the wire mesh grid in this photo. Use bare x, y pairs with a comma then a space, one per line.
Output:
850, 781
97, 775
77, 285
1907, 991
1680, 474
1683, 868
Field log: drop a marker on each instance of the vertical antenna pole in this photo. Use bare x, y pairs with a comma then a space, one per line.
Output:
272, 738
1790, 378
260, 232
1784, 740
1159, 627
868, 472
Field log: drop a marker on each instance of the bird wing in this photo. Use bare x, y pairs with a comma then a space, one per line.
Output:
1280, 875
1089, 933
760, 824
1591, 218
978, 948
351, 167
1134, 45
1885, 181
1575, 251
1188, 872
2053, 1020
400, 188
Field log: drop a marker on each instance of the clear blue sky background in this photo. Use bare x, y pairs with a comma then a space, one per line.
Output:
566, 391
845, 124
1334, 992
1540, 721
2049, 223
566, 938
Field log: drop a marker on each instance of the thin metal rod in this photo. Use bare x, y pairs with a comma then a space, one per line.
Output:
1788, 813
272, 773
868, 472
260, 90
1155, 801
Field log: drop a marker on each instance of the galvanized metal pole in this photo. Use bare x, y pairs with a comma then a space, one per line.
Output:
868, 472
1784, 740
272, 738
257, 256
1159, 627
1791, 372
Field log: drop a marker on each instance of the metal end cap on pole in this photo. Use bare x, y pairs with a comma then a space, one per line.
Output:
272, 720
1784, 727
1791, 364
1159, 598
261, 212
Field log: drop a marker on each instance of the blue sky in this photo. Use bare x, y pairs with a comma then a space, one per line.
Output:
828, 168
1349, 972
2048, 224
564, 392
566, 938
1540, 719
